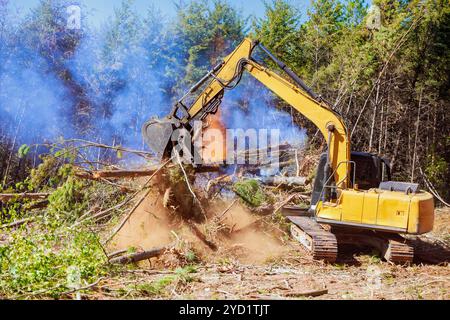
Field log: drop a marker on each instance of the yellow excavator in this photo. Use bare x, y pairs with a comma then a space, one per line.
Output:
353, 200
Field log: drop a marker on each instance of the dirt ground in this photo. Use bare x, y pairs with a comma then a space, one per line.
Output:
263, 262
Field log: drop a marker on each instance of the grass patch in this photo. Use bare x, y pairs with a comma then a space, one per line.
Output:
251, 192
40, 261
158, 287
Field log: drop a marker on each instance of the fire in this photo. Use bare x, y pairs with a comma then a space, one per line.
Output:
214, 140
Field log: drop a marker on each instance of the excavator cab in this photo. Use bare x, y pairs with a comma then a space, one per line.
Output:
371, 171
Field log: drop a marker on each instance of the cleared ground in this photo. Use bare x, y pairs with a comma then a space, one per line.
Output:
263, 262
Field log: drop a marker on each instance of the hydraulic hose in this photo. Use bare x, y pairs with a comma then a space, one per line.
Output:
291, 74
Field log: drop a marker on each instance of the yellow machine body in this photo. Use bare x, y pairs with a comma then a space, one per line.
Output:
383, 210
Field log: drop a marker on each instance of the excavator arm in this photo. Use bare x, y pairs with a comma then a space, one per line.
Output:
226, 75
329, 123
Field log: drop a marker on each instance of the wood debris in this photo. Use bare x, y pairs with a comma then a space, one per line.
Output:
4, 197
140, 256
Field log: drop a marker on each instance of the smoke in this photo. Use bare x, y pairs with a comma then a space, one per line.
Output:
103, 84
253, 106
33, 102
123, 88
93, 84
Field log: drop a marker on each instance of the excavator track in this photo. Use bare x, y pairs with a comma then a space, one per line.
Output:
321, 243
391, 246
397, 250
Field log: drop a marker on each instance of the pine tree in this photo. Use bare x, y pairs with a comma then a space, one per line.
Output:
321, 32
279, 31
206, 31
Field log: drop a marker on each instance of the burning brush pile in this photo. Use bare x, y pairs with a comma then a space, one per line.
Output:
83, 217
211, 212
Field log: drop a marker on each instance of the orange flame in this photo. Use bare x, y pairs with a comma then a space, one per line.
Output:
214, 140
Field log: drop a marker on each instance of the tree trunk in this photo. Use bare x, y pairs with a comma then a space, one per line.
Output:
416, 138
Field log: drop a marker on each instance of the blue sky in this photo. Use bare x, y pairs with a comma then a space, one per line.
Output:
100, 10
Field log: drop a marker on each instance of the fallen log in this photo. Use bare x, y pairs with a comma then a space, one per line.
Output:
23, 196
140, 256
130, 174
271, 150
315, 293
85, 175
117, 253
282, 155
285, 181
16, 223
267, 166
201, 236
123, 173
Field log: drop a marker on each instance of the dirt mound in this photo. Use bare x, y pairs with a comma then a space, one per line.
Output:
239, 235
149, 226
248, 239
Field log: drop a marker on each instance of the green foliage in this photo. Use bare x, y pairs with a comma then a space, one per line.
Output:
68, 200
190, 256
281, 221
122, 35
355, 12
45, 173
158, 287
53, 171
251, 192
438, 171
279, 31
40, 256
322, 32
176, 175
10, 212
207, 31
37, 260
185, 274
23, 151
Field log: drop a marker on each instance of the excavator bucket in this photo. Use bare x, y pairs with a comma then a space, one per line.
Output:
157, 134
